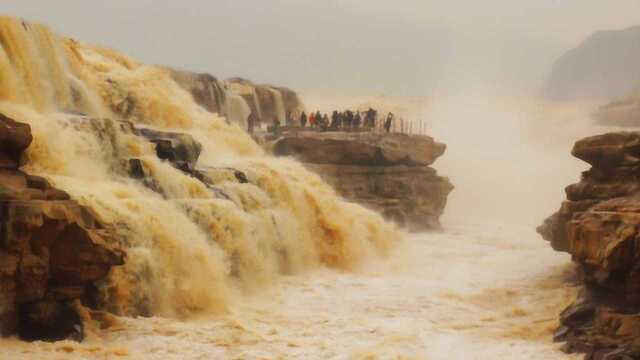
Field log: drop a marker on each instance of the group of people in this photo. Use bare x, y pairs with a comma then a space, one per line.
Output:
339, 120
344, 120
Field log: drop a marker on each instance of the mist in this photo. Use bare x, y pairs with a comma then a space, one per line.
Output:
234, 252
410, 47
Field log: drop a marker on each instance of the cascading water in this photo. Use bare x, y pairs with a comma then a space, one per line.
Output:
191, 244
237, 109
279, 105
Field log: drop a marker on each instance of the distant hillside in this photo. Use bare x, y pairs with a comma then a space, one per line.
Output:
605, 66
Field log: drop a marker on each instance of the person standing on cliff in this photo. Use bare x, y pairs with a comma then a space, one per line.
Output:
325, 122
312, 119
303, 119
334, 120
318, 119
371, 118
357, 120
251, 123
387, 123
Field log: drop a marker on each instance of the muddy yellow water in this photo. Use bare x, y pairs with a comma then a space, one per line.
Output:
474, 292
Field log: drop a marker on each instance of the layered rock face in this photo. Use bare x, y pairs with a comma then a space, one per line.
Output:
389, 173
270, 103
605, 66
52, 250
599, 225
207, 91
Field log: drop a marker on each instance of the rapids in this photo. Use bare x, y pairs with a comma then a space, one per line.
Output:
189, 250
486, 288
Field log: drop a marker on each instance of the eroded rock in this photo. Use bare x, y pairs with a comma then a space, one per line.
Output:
599, 225
51, 249
385, 172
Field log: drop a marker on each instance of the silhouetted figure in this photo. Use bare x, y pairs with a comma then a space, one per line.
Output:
251, 122
303, 119
348, 119
318, 119
387, 123
371, 118
334, 120
357, 120
325, 122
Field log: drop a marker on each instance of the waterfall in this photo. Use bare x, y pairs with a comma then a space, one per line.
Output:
237, 109
192, 242
279, 105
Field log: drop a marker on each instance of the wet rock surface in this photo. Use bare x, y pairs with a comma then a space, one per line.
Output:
207, 90
262, 99
598, 225
389, 173
52, 250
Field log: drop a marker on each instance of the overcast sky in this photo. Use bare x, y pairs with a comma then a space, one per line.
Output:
401, 47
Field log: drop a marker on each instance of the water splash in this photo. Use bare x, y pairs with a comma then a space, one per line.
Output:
190, 249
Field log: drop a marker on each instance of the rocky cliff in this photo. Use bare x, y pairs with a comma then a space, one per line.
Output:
599, 225
52, 250
389, 173
604, 66
269, 102
236, 98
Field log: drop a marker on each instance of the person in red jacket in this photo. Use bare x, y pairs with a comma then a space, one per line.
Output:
312, 120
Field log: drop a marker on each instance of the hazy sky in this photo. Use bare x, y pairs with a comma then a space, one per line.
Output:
404, 47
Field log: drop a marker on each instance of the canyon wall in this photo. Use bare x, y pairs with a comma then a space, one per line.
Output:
599, 225
389, 173
604, 66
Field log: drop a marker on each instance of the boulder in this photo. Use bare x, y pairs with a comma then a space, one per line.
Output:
14, 139
180, 149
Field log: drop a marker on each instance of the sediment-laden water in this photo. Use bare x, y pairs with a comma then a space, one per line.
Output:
285, 268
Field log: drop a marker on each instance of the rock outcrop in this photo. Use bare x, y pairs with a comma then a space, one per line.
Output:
269, 102
207, 91
389, 173
599, 225
605, 66
52, 250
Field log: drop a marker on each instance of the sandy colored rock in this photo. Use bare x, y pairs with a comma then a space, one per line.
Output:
599, 225
49, 245
360, 148
388, 173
